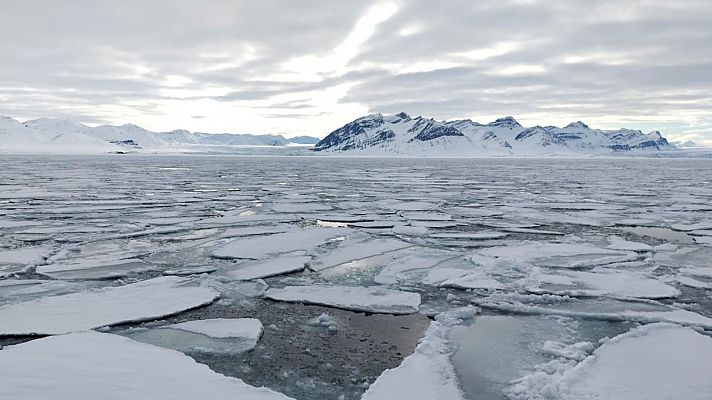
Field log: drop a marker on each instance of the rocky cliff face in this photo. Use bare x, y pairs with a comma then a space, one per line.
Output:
402, 134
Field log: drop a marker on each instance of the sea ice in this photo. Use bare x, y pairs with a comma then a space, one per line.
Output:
191, 270
474, 281
357, 251
653, 362
227, 336
623, 311
356, 298
400, 269
604, 282
22, 257
91, 365
267, 268
151, 299
426, 374
469, 235
248, 328
558, 255
94, 268
264, 246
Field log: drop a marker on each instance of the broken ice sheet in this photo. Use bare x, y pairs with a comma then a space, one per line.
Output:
191, 270
347, 252
426, 374
651, 362
605, 309
266, 268
151, 299
567, 254
20, 290
111, 366
402, 269
369, 299
19, 259
220, 335
494, 350
94, 268
264, 246
602, 282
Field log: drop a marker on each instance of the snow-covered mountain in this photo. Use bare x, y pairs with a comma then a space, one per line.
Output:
402, 134
62, 135
48, 136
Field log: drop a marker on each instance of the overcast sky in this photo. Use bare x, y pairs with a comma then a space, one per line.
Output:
308, 67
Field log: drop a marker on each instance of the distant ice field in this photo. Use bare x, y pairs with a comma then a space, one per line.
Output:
339, 277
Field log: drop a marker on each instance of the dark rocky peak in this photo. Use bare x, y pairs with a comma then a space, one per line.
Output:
400, 117
429, 129
369, 121
576, 125
655, 135
463, 123
506, 122
529, 132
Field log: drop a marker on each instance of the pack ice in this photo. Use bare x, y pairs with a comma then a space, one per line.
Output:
151, 299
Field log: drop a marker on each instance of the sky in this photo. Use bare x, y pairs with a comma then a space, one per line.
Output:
308, 67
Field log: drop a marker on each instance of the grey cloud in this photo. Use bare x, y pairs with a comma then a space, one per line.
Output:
637, 58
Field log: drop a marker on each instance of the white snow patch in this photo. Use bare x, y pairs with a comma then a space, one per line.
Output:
266, 268
369, 299
473, 281
151, 299
358, 251
652, 362
605, 282
428, 373
247, 328
398, 270
92, 365
25, 255
264, 246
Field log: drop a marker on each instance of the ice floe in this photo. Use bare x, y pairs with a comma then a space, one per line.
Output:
369, 299
652, 362
191, 270
357, 251
624, 311
603, 282
264, 246
151, 299
94, 365
219, 335
401, 269
94, 268
248, 328
558, 255
428, 373
267, 268
20, 259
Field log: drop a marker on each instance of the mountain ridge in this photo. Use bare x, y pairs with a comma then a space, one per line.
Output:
376, 134
59, 135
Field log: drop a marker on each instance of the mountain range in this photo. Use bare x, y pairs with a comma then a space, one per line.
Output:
401, 134
62, 135
376, 134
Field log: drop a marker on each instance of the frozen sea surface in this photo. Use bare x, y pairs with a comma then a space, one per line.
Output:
316, 277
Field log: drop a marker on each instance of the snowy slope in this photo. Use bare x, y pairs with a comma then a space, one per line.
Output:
402, 134
45, 136
64, 135
56, 125
128, 135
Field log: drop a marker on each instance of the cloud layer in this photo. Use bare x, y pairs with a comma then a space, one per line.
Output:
307, 67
